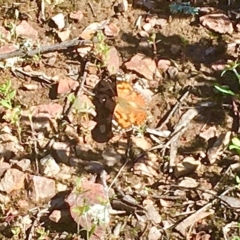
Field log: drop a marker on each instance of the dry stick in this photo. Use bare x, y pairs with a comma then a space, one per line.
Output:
81, 81
174, 109
91, 7
185, 223
76, 42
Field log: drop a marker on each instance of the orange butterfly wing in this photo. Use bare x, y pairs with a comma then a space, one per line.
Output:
130, 108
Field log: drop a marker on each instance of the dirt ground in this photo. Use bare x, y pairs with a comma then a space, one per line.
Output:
181, 186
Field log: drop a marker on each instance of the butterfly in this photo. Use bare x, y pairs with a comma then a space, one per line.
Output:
131, 108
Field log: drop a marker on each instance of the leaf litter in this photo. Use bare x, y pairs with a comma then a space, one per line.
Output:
173, 177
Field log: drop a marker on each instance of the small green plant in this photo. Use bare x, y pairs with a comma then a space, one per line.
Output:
7, 101
225, 89
235, 144
8, 95
101, 49
184, 8
42, 233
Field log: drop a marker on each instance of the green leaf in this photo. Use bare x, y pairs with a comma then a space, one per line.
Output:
236, 141
5, 104
12, 94
224, 90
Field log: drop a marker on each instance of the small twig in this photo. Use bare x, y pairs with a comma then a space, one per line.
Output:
119, 172
91, 7
81, 79
177, 105
76, 42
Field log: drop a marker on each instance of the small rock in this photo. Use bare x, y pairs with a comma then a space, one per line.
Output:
141, 142
3, 167
238, 27
92, 195
77, 16
154, 233
92, 80
208, 133
152, 213
4, 198
24, 29
188, 165
59, 20
30, 87
217, 22
84, 50
23, 204
88, 32
111, 30
113, 61
42, 188
161, 22
55, 216
64, 35
84, 105
164, 64
8, 49
172, 72
94, 167
5, 34
219, 65
48, 166
66, 85
23, 164
61, 151
143, 65
143, 34
13, 180
51, 109
61, 187
8, 143
188, 182
147, 27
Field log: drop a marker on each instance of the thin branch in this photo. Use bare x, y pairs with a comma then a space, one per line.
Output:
76, 42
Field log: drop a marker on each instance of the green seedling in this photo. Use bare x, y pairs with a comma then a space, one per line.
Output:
235, 144
7, 101
42, 233
225, 89
101, 49
8, 95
